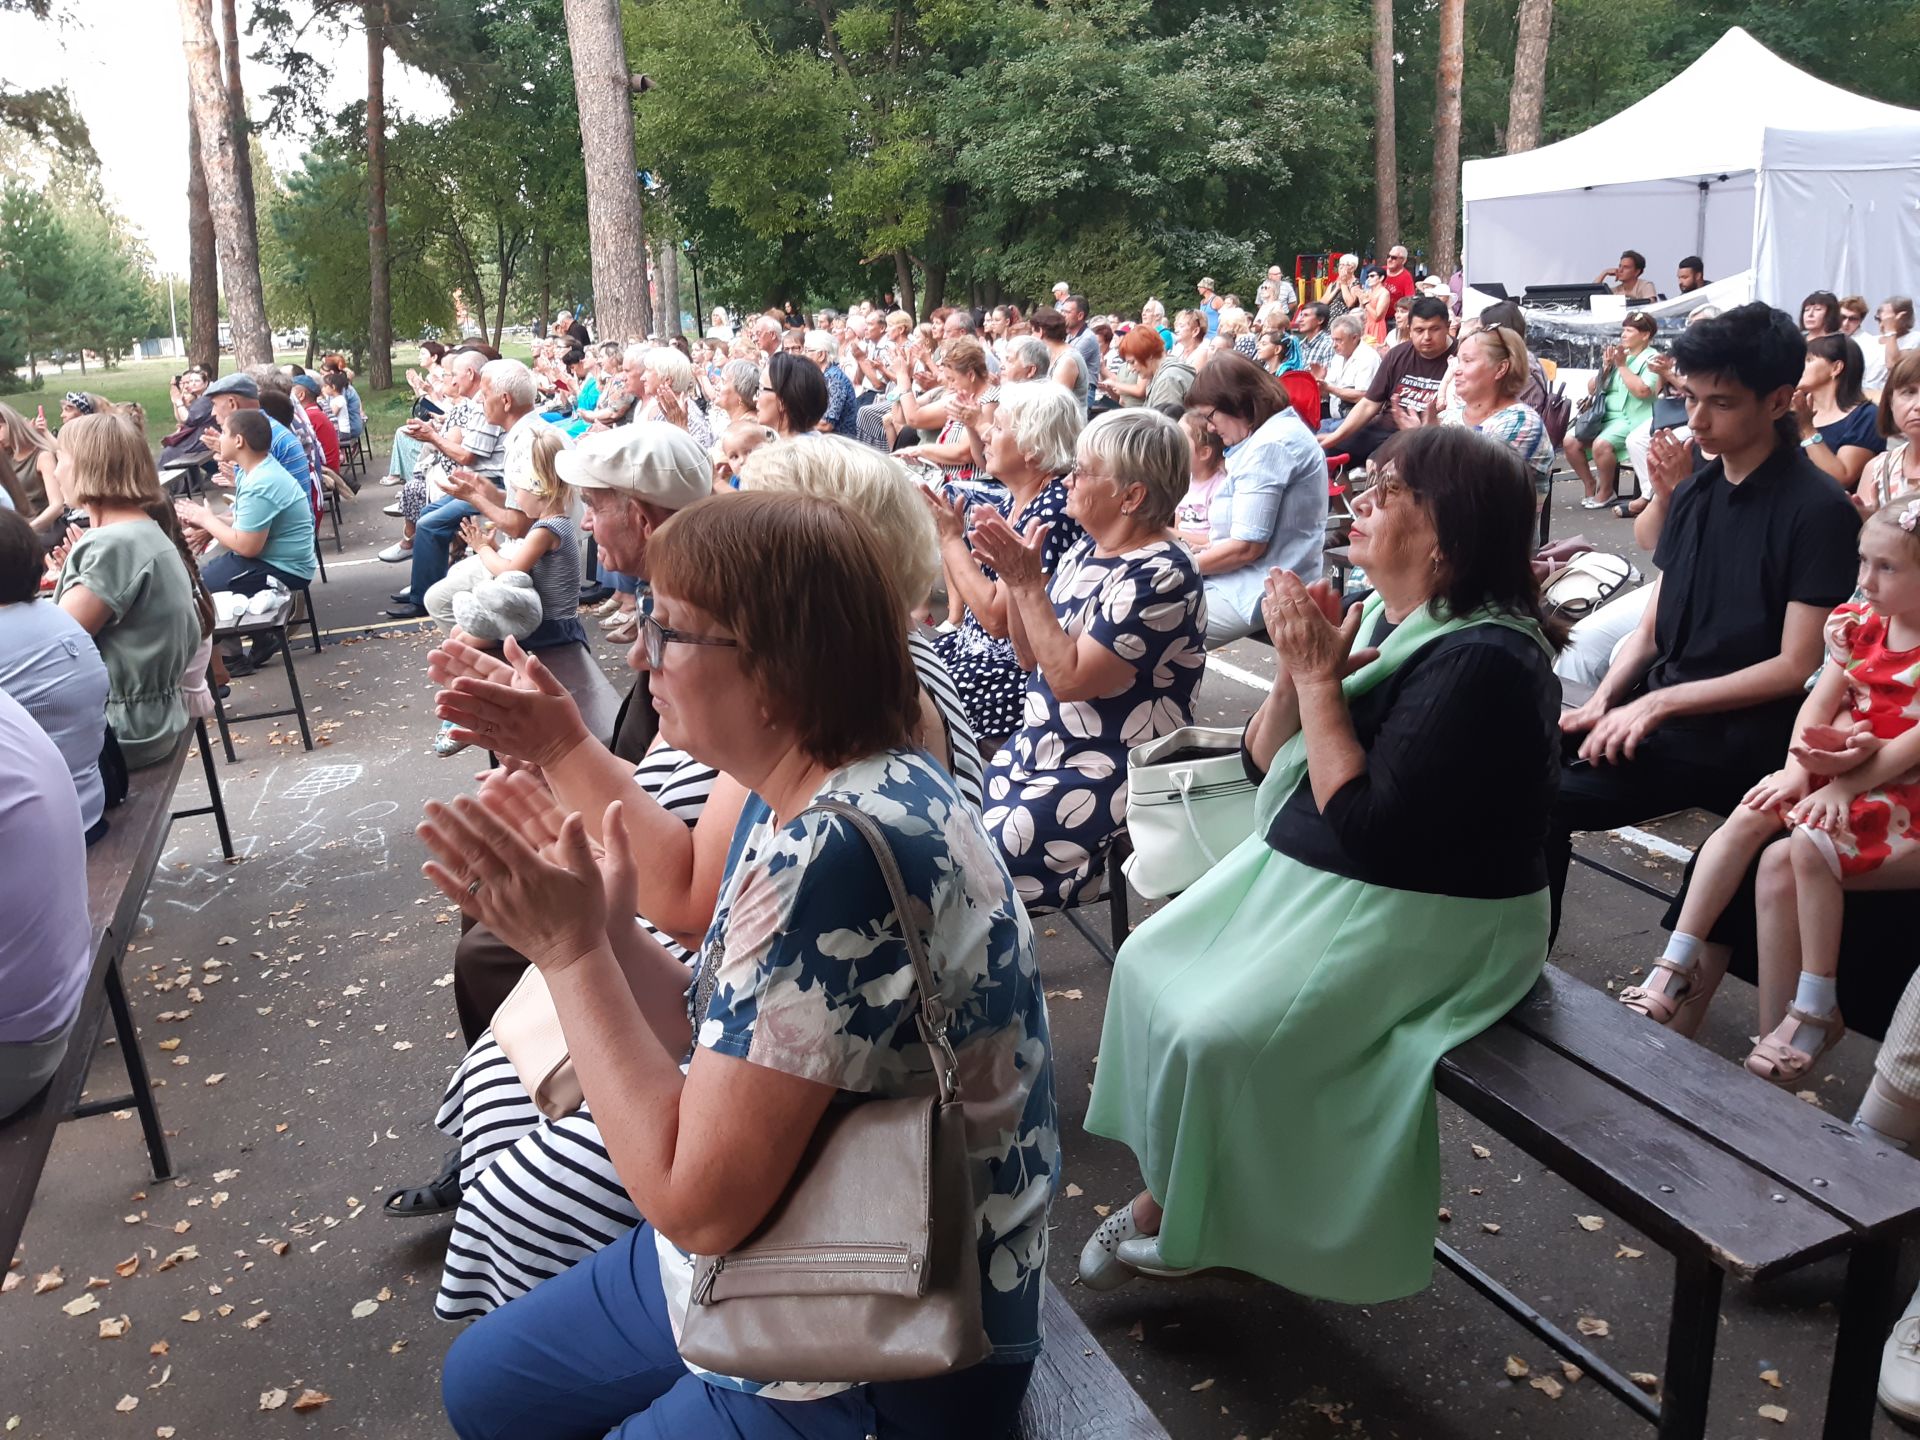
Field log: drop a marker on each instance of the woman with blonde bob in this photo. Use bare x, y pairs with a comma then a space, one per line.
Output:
776, 656
123, 580
27, 480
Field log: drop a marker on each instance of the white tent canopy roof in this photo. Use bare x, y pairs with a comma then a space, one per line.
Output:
1717, 112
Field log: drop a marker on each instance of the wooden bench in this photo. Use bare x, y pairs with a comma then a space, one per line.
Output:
1731, 1175
119, 869
1077, 1392
575, 667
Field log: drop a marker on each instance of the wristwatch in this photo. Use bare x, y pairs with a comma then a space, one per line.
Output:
1811, 441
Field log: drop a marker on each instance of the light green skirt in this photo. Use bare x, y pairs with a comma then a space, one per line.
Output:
1268, 1055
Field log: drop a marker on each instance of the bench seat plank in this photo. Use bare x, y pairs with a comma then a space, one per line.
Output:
1809, 1151
1077, 1392
1692, 1198
575, 667
120, 867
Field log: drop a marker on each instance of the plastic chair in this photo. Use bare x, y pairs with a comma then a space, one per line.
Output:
1304, 392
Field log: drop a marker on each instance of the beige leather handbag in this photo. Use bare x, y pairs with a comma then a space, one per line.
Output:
526, 1027
868, 1268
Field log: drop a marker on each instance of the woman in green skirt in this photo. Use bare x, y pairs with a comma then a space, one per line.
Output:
1270, 1038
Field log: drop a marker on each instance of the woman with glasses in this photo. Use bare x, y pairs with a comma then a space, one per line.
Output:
1112, 647
1270, 1035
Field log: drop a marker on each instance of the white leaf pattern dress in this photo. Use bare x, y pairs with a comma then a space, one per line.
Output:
1057, 791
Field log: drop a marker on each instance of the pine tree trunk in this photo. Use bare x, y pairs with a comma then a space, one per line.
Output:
903, 281
616, 230
1443, 244
936, 287
379, 289
238, 246
203, 262
1529, 76
544, 318
1386, 159
237, 109
669, 274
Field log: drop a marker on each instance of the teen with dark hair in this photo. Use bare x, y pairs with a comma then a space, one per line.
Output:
1407, 381
1755, 549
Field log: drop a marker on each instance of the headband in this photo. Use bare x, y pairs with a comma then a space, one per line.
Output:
79, 402
1909, 517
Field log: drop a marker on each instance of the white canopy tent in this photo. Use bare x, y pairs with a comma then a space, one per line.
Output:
1741, 159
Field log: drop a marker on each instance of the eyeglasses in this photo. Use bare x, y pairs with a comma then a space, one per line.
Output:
657, 637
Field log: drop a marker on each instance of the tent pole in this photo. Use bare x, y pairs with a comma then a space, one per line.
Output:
1700, 226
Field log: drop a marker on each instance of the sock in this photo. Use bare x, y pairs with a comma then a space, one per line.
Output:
1817, 995
1892, 1142
1682, 951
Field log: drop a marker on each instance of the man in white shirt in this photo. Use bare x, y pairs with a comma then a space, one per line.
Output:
1349, 373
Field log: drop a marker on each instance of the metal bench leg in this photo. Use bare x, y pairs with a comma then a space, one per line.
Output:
1868, 1309
319, 555
226, 733
136, 1064
1692, 1333
293, 684
217, 802
1119, 923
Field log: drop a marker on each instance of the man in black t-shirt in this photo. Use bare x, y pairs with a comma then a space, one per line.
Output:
1755, 549
1407, 381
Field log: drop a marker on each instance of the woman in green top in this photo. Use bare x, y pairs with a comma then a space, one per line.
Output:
1271, 1034
1628, 396
124, 580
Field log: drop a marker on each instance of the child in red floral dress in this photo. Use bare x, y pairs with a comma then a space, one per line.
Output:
1850, 793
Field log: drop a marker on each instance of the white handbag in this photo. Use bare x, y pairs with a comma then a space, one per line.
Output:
1587, 582
1189, 802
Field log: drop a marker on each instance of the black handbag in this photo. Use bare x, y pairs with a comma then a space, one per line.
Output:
1669, 413
1593, 415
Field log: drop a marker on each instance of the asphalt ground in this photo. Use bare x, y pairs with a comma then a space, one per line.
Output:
307, 986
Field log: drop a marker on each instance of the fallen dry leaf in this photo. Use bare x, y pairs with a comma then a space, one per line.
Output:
164, 1432
180, 1227
396, 1347
126, 1403
1139, 1330
52, 1280
254, 1322
1203, 1385
1627, 1252
1489, 1227
1480, 1152
159, 1347
1590, 1222
127, 1266
1074, 1192
172, 1042
1590, 1326
215, 1078
364, 1308
1645, 1379
185, 1252
1771, 1377
192, 1317
1775, 1413
82, 1305
1517, 1369
1102, 1210
1446, 1216
220, 1177
383, 1294
272, 1399
311, 1400
1572, 1371
279, 1247
1548, 1386
114, 1327
98, 1282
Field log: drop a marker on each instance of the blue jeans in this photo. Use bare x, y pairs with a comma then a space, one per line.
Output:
590, 1353
244, 575
433, 536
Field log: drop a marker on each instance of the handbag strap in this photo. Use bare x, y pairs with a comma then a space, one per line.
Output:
931, 1014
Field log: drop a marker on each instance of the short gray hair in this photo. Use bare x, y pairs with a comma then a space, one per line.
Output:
822, 343
465, 361
670, 365
1045, 421
1031, 350
1348, 324
510, 380
1142, 447
744, 377
635, 354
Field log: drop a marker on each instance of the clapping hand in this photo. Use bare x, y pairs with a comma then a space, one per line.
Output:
1830, 750
533, 719
464, 484
1312, 640
949, 516
524, 803
1668, 463
192, 514
476, 535
1013, 555
673, 409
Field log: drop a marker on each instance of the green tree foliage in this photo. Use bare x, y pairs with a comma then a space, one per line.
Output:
44, 114
72, 279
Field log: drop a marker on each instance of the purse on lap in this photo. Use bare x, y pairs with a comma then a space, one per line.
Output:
1189, 801
526, 1027
867, 1269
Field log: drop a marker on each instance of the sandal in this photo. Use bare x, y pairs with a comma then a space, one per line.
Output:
1776, 1058
1101, 1267
623, 634
436, 1197
1675, 999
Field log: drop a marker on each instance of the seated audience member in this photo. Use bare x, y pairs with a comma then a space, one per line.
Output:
1488, 376
1273, 508
1409, 376
1029, 451
240, 391
1406, 758
1026, 359
46, 946
1820, 314
1159, 378
269, 533
1624, 386
707, 1150
1629, 277
1316, 343
1758, 547
739, 440
1113, 646
343, 404
276, 398
1839, 429
1896, 471
959, 418
1897, 335
52, 668
1190, 332
307, 394
667, 392
461, 438
28, 481
1193, 519
794, 396
1349, 374
1846, 792
1889, 1115
126, 582
1690, 275
1064, 363
843, 412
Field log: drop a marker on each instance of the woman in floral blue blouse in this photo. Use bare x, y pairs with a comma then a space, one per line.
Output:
1114, 647
707, 1116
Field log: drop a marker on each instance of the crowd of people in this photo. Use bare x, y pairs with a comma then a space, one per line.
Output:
952, 573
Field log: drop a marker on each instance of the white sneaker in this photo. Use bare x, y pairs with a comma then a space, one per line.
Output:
393, 479
1142, 1256
1101, 1267
394, 554
395, 510
1900, 1366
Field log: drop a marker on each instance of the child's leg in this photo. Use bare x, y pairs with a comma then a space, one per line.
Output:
1717, 874
1776, 904
1811, 1026
1816, 880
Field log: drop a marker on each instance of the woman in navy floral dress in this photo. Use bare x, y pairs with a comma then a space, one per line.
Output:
1029, 445
1115, 647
